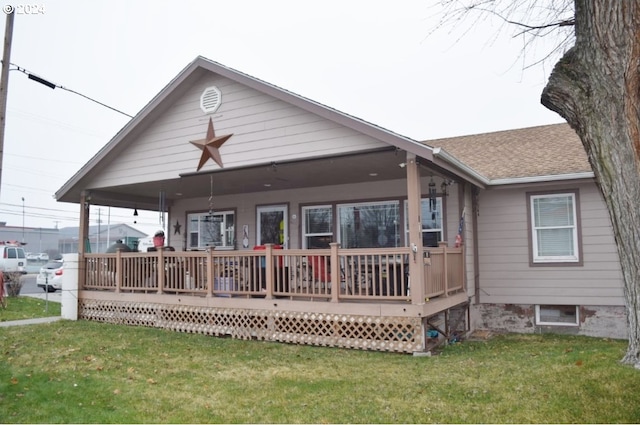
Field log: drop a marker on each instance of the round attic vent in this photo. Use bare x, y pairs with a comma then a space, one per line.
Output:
210, 100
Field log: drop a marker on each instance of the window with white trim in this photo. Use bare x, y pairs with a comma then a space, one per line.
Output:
554, 228
205, 230
317, 230
369, 225
557, 315
432, 222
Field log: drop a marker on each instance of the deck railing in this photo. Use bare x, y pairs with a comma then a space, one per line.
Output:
325, 274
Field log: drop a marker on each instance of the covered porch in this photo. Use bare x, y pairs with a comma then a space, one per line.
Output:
356, 298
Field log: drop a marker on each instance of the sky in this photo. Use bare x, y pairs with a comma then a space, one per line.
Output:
380, 61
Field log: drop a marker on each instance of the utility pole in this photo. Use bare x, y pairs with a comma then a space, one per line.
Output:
4, 82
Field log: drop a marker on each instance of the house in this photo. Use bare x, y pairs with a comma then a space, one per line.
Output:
292, 221
100, 237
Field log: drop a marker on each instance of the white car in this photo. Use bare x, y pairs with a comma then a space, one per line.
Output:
43, 256
50, 276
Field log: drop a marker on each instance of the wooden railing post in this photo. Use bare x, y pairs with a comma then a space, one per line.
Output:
335, 272
160, 269
268, 270
118, 270
445, 272
210, 273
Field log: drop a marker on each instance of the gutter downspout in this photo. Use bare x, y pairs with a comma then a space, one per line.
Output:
475, 211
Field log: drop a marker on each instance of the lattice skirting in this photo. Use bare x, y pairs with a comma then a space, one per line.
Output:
397, 334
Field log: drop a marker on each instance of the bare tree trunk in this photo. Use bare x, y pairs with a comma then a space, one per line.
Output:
596, 88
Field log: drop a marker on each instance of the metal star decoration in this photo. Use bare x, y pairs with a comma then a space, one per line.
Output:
176, 228
210, 146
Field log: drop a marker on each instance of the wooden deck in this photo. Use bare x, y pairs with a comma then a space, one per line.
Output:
359, 298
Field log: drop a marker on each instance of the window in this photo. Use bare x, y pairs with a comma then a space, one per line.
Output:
317, 226
369, 225
557, 315
215, 230
431, 214
554, 228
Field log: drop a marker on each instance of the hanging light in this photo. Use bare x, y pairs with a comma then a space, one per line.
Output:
432, 194
135, 214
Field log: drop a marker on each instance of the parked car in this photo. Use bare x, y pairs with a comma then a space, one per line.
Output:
43, 256
32, 257
12, 258
50, 276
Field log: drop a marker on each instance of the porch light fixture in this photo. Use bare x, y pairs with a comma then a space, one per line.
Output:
135, 214
445, 184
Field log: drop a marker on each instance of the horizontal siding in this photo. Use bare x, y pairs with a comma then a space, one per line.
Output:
505, 272
264, 129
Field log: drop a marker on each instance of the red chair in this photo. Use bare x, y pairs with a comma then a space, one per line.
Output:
320, 269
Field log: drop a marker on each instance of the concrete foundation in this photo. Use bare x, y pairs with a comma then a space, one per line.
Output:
595, 321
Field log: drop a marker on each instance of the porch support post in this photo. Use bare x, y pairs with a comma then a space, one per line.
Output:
416, 262
83, 237
335, 271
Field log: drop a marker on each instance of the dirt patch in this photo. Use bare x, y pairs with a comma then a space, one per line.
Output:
480, 335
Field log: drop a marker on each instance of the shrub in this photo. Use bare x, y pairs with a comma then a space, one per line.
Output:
14, 283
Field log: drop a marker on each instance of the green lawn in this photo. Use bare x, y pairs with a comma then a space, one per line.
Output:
22, 307
90, 372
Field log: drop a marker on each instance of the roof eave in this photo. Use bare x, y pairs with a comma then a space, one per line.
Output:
542, 179
461, 168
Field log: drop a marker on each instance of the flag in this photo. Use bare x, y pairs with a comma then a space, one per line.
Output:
460, 228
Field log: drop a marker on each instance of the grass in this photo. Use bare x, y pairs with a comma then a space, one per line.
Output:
23, 307
87, 372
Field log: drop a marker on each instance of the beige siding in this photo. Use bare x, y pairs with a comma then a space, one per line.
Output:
264, 129
505, 273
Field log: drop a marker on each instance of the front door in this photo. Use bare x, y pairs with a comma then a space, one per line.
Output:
272, 225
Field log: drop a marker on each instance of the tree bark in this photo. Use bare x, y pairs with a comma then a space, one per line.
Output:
596, 88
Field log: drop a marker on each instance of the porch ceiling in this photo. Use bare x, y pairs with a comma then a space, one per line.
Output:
367, 167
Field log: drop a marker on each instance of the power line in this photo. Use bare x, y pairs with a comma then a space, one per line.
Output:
51, 85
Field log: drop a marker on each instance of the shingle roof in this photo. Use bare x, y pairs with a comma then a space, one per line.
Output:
535, 151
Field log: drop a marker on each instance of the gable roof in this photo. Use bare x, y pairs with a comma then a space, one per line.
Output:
70, 191
549, 152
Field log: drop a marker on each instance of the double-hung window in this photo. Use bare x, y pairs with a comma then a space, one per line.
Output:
206, 230
554, 227
317, 227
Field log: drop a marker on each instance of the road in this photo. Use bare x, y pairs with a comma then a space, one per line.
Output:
30, 289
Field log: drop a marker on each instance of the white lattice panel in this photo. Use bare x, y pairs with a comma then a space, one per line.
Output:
398, 334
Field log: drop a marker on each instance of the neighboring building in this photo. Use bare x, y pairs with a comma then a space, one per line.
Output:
100, 237
36, 239
238, 163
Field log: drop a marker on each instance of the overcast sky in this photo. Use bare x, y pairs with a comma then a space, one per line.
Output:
377, 60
